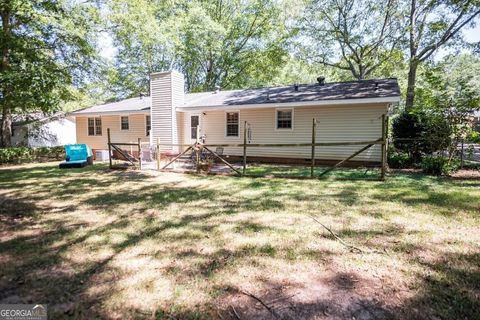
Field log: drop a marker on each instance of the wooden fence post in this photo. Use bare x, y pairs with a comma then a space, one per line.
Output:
461, 155
384, 148
244, 147
314, 132
158, 153
109, 148
140, 153
197, 151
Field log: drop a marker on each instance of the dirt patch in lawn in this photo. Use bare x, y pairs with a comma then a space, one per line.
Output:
466, 174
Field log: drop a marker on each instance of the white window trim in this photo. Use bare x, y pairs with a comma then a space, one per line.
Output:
190, 125
225, 124
128, 117
276, 115
94, 126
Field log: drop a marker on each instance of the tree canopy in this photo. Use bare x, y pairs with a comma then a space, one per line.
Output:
352, 35
51, 59
230, 43
46, 47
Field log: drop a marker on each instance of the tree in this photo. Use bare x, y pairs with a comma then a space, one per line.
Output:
142, 32
421, 133
231, 43
45, 46
432, 24
447, 94
357, 36
452, 93
407, 131
238, 43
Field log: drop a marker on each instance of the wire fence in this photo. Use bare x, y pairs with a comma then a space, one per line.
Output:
466, 153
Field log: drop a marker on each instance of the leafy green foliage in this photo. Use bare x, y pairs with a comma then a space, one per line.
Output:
420, 133
447, 95
438, 165
24, 154
360, 37
407, 131
46, 47
473, 137
399, 160
450, 94
230, 43
432, 25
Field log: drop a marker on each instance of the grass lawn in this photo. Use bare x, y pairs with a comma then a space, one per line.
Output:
94, 243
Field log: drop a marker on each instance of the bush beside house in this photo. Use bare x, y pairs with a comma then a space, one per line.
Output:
25, 155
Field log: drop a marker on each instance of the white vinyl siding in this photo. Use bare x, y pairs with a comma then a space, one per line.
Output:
167, 92
334, 124
136, 130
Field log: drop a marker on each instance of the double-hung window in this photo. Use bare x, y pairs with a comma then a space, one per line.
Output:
148, 125
284, 119
232, 121
194, 123
124, 122
95, 126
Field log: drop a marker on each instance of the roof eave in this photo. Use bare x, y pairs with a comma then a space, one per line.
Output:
392, 100
113, 113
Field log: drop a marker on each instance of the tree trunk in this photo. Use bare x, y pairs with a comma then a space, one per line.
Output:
412, 77
6, 125
6, 140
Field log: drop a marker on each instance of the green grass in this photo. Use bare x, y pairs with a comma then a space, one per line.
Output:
305, 171
94, 243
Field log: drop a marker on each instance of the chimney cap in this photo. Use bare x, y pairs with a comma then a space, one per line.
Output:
217, 88
321, 80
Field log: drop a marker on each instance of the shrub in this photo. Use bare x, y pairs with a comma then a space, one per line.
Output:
437, 165
406, 133
473, 137
420, 133
398, 160
24, 154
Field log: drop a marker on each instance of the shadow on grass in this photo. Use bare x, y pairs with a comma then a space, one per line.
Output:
40, 271
14, 209
417, 189
448, 289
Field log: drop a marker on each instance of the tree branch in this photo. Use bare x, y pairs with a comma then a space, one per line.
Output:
429, 50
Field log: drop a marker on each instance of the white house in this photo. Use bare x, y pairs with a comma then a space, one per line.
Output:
40, 130
345, 111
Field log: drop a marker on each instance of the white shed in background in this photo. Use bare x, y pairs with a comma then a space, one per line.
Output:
38, 130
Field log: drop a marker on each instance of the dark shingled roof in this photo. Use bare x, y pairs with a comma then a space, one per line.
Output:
361, 89
127, 105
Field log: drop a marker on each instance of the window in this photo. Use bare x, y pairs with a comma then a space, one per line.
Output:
194, 123
148, 125
284, 118
124, 122
98, 126
94, 126
232, 120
